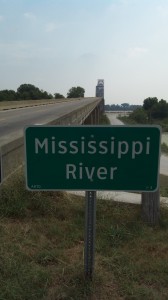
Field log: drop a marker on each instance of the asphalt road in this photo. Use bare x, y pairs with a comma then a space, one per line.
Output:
12, 122
164, 158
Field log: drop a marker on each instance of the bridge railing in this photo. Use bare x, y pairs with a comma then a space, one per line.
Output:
5, 105
12, 153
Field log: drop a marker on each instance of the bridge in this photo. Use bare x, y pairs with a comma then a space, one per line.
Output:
15, 115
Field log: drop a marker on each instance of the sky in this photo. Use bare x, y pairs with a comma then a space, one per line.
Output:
59, 44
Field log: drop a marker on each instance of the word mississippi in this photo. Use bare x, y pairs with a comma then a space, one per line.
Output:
83, 146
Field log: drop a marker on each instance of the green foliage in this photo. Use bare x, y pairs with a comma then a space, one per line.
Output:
8, 95
126, 120
148, 105
164, 148
104, 120
163, 185
29, 91
149, 102
125, 106
76, 92
17, 202
160, 110
165, 127
122, 107
58, 96
139, 115
24, 92
155, 109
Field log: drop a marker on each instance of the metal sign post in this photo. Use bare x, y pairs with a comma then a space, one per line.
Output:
90, 224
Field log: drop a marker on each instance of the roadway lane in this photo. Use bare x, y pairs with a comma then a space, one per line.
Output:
12, 122
163, 159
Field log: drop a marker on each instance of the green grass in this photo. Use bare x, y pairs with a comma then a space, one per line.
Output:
164, 185
126, 120
104, 120
164, 148
162, 122
42, 248
130, 121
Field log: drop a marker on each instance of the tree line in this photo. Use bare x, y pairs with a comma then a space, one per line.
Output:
151, 111
31, 92
122, 107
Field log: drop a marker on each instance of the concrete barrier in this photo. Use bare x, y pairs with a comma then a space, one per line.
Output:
12, 154
5, 105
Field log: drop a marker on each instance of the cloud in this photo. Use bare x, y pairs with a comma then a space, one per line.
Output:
22, 52
51, 26
1, 18
120, 3
15, 50
162, 10
88, 56
127, 2
30, 16
137, 52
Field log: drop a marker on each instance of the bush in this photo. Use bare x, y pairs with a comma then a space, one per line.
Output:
164, 148
139, 115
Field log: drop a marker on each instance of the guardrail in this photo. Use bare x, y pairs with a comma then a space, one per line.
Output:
12, 154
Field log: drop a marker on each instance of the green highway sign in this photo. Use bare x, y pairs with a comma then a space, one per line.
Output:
92, 157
